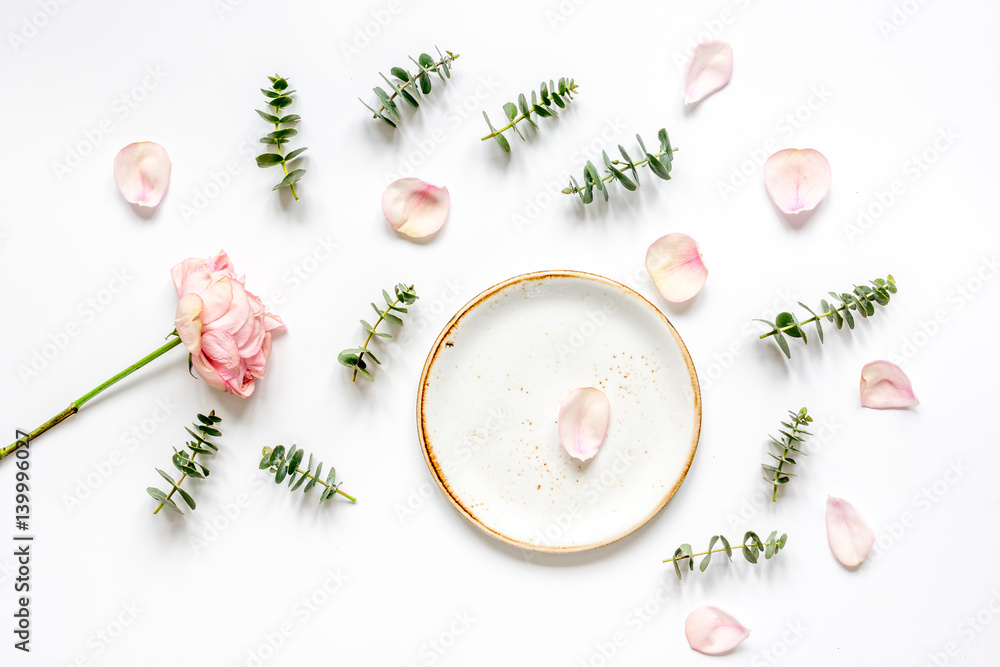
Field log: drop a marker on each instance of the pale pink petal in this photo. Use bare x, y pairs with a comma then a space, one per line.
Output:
850, 536
142, 173
884, 385
187, 321
220, 348
583, 422
675, 265
797, 180
711, 631
218, 300
415, 208
711, 68
203, 367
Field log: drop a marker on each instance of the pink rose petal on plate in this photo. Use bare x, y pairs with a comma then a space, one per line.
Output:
711, 631
884, 385
711, 68
142, 173
675, 265
850, 536
415, 208
797, 180
583, 422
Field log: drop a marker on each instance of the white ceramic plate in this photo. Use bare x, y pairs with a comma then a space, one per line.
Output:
488, 405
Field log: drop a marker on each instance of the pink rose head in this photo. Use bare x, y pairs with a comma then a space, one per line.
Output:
225, 328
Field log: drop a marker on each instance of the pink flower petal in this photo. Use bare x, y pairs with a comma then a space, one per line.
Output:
583, 422
850, 536
797, 180
675, 265
415, 208
711, 631
711, 68
884, 385
142, 173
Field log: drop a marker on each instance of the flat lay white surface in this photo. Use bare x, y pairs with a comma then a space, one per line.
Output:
900, 96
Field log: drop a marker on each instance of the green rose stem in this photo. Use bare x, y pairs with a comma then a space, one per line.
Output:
75, 406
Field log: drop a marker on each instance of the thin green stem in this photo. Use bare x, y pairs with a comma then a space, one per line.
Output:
364, 346
775, 330
284, 168
336, 489
423, 72
785, 447
610, 176
174, 488
75, 406
711, 551
568, 94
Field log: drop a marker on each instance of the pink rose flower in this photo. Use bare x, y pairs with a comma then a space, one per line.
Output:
225, 328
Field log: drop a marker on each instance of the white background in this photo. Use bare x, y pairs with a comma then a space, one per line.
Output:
411, 568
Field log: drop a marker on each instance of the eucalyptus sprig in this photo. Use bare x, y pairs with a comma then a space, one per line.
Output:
287, 464
354, 357
861, 300
550, 93
752, 548
280, 97
185, 463
659, 163
789, 444
411, 87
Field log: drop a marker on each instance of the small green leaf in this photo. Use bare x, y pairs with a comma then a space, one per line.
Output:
266, 116
293, 177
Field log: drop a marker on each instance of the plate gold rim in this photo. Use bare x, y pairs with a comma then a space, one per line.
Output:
429, 458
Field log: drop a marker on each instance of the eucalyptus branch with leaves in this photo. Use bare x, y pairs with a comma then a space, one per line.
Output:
752, 548
286, 464
354, 357
279, 97
659, 163
861, 300
550, 93
778, 475
411, 87
185, 463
